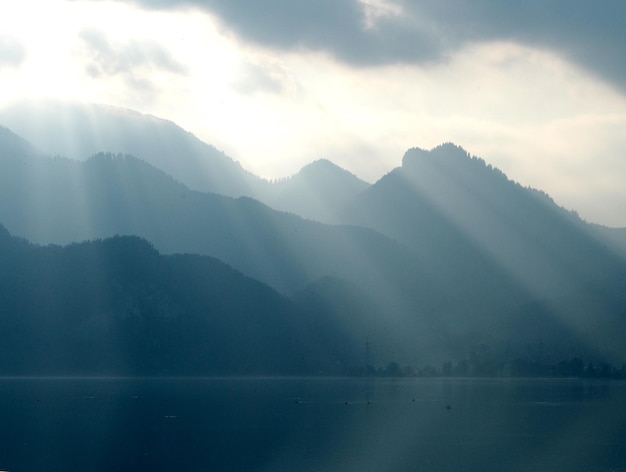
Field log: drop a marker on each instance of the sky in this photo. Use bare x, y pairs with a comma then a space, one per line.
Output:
535, 88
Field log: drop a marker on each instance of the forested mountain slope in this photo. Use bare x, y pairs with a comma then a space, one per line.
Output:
118, 307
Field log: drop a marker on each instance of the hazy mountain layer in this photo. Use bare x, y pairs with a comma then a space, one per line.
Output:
61, 201
109, 195
79, 131
483, 235
457, 260
317, 192
469, 211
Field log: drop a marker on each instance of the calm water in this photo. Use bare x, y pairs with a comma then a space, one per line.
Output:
311, 425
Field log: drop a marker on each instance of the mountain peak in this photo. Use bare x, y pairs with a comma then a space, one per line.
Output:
323, 168
316, 191
453, 164
322, 163
443, 151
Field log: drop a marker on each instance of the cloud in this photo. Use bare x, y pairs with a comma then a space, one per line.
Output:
12, 52
266, 77
587, 33
255, 79
375, 32
134, 61
355, 31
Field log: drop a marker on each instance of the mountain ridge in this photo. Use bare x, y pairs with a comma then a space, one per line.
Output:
118, 307
452, 257
79, 131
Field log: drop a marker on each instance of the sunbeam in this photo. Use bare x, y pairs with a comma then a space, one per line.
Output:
212, 257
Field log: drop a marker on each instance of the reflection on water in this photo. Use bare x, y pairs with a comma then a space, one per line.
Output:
312, 424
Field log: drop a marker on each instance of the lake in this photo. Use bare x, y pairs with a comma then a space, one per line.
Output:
312, 424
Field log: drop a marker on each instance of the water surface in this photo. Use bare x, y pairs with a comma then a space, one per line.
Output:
312, 425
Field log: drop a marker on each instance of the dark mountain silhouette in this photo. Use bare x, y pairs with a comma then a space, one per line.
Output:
117, 306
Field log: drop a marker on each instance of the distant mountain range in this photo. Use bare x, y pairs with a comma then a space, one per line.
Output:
443, 258
79, 131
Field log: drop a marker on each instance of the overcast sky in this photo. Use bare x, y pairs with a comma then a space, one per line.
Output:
536, 88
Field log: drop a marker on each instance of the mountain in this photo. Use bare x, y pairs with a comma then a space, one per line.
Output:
118, 307
443, 258
14, 145
449, 199
317, 192
491, 240
62, 201
614, 237
78, 131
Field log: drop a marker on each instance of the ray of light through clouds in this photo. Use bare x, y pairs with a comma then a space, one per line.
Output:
536, 89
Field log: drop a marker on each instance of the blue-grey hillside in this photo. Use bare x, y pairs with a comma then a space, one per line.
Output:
318, 191
61, 201
445, 259
118, 307
78, 131
614, 237
473, 228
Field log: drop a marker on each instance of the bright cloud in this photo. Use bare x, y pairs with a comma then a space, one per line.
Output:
276, 96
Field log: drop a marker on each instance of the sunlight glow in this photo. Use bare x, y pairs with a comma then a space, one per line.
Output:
521, 108
450, 267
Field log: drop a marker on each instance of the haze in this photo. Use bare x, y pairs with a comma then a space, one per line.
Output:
536, 89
